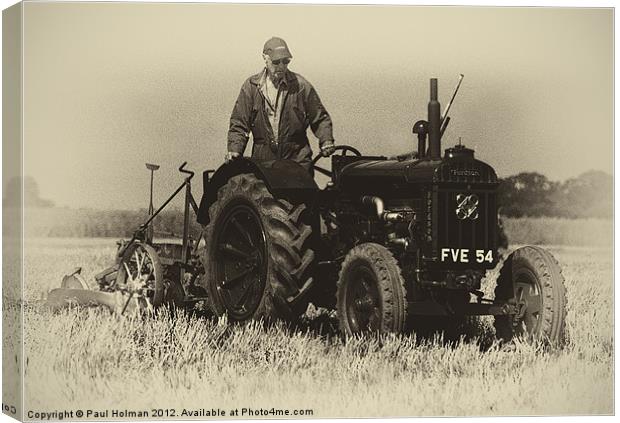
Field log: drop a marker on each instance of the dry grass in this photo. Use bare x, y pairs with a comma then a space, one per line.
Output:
90, 359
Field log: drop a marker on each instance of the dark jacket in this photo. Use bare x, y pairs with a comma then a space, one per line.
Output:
301, 108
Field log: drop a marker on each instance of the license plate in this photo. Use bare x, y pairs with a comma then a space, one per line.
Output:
466, 255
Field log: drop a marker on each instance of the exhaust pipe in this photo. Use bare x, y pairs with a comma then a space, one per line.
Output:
434, 123
382, 214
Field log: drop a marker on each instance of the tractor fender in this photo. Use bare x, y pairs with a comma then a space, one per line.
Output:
284, 179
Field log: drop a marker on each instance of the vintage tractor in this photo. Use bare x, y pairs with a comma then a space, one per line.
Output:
387, 241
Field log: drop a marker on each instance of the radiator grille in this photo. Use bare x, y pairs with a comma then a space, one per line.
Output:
473, 234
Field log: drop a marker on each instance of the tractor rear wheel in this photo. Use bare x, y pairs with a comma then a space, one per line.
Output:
532, 278
257, 256
371, 294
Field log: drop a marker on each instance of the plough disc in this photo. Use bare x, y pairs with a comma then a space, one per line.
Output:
66, 297
74, 280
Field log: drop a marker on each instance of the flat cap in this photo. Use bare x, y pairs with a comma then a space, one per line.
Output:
276, 48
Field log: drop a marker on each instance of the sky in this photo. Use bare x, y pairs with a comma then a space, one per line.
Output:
109, 86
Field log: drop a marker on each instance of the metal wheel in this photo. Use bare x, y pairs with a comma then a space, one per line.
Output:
140, 277
240, 265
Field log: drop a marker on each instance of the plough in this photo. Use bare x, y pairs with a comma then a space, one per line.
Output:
145, 275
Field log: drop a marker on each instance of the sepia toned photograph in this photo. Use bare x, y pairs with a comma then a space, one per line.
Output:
298, 211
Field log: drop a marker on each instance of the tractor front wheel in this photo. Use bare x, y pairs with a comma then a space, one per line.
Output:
371, 294
531, 278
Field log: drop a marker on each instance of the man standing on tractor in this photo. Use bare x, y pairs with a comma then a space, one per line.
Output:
277, 106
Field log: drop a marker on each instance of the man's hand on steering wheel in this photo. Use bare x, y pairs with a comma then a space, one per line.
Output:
328, 149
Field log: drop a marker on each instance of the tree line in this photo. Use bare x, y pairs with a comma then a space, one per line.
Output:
531, 194
527, 194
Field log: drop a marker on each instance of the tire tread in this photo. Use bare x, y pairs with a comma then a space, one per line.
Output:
391, 286
288, 252
544, 265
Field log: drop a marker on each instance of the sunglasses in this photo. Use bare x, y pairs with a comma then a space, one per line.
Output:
284, 61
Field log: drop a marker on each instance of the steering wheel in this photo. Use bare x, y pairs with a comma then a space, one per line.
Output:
343, 148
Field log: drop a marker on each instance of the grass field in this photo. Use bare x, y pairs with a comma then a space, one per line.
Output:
90, 359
